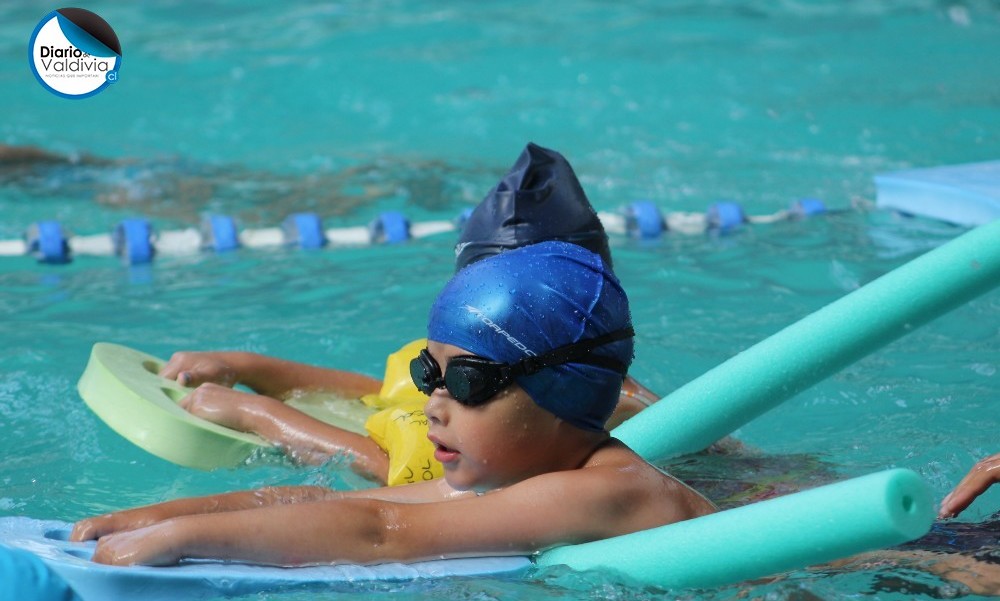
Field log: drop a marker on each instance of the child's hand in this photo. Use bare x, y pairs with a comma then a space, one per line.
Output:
96, 527
155, 545
230, 408
196, 368
982, 475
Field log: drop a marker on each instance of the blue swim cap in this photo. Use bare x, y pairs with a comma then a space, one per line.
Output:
534, 299
539, 199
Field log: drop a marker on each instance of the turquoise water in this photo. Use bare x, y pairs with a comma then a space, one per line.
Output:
349, 109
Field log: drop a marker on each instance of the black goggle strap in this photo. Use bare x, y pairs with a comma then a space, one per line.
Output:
578, 352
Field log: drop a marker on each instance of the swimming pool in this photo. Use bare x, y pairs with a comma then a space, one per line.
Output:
350, 109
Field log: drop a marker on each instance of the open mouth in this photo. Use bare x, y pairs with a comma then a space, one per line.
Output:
444, 454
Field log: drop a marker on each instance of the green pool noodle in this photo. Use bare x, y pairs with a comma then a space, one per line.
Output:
122, 387
798, 530
765, 375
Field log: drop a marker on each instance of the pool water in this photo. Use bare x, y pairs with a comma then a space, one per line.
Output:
353, 108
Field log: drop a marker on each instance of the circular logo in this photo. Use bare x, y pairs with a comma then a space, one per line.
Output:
74, 53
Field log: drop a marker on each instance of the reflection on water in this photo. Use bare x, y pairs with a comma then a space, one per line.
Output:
179, 191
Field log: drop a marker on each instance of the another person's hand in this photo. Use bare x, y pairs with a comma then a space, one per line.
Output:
982, 475
241, 411
192, 369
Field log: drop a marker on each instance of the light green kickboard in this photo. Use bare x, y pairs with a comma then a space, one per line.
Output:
349, 414
121, 386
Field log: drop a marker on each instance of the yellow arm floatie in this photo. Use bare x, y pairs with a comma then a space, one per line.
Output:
402, 432
397, 387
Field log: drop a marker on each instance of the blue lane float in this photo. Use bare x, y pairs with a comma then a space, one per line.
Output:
806, 207
966, 194
390, 227
133, 241
304, 230
643, 219
47, 242
725, 216
219, 233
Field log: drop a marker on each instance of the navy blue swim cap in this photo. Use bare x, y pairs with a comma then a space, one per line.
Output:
530, 300
539, 199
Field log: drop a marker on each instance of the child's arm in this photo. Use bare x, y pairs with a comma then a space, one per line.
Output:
140, 517
552, 509
308, 439
984, 474
265, 375
132, 519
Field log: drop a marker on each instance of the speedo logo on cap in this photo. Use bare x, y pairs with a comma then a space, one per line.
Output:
496, 328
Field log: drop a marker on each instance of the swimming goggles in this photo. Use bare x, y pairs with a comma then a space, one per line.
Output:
473, 380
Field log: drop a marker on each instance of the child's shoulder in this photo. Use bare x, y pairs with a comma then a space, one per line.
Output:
613, 492
640, 486
615, 454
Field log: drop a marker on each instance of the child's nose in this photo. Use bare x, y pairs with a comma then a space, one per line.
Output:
436, 408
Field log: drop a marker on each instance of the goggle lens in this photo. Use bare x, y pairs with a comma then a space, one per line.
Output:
469, 380
425, 373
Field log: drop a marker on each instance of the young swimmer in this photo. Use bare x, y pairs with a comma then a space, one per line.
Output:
525, 357
540, 198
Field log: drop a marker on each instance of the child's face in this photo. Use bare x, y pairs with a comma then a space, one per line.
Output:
505, 440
